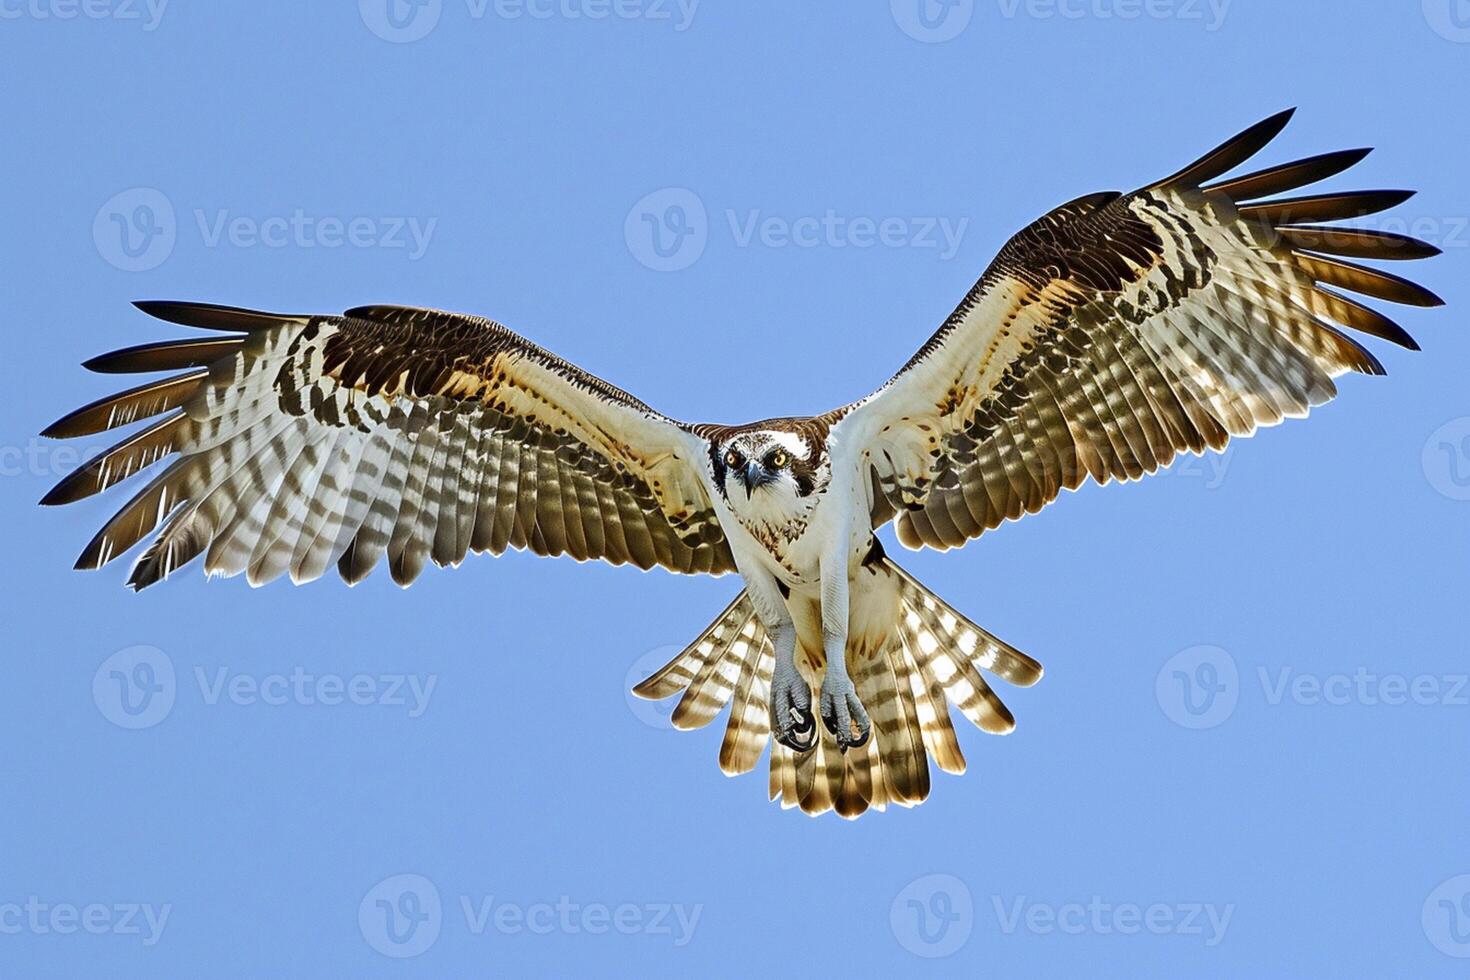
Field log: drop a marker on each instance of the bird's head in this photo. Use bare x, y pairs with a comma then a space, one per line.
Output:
769, 475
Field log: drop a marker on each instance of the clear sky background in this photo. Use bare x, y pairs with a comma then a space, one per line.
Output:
1246, 758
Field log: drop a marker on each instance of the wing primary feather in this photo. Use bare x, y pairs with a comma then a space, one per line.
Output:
1369, 282
1357, 243
126, 407
1324, 207
137, 452
1232, 153
169, 355
1351, 313
1289, 176
212, 316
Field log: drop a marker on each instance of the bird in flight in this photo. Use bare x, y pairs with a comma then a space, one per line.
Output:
1109, 336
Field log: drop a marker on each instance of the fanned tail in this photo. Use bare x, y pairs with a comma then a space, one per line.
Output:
910, 655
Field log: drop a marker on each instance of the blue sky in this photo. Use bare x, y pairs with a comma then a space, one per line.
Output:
1245, 758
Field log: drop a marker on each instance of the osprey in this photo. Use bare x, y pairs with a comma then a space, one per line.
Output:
1111, 335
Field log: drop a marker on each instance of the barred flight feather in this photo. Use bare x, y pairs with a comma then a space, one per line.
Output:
1121, 330
426, 435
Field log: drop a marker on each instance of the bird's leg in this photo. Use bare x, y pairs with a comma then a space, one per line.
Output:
791, 699
842, 712
792, 724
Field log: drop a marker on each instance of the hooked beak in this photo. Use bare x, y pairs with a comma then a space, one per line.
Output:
755, 476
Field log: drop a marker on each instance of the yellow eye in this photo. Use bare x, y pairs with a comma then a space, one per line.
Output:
779, 459
732, 458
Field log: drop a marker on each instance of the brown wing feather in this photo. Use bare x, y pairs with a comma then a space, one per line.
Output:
412, 434
1120, 330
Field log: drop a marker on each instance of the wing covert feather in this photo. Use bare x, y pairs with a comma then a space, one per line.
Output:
1118, 331
387, 431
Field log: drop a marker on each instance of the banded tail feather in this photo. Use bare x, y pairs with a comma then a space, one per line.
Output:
925, 661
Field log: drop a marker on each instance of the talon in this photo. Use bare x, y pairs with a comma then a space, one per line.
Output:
792, 723
807, 743
843, 714
804, 735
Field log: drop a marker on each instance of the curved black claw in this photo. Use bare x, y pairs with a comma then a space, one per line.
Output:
803, 736
792, 723
844, 715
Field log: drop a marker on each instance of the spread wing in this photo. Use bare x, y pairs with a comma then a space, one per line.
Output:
300, 441
1120, 330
